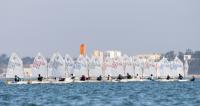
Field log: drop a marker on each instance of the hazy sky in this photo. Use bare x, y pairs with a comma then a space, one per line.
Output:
133, 26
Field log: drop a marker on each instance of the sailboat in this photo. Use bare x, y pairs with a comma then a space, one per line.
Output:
138, 67
15, 68
95, 69
80, 67
171, 68
117, 68
69, 65
107, 67
177, 67
56, 69
132, 66
128, 65
163, 68
39, 66
150, 69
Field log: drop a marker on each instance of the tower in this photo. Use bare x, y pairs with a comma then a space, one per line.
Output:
82, 50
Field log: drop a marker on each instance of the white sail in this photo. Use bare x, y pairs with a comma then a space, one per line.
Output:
95, 68
15, 67
128, 65
113, 67
176, 67
186, 68
69, 65
171, 68
39, 66
56, 67
107, 67
138, 67
118, 67
164, 68
80, 67
150, 69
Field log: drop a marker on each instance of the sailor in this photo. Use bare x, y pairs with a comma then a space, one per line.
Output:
17, 79
168, 77
99, 78
120, 77
193, 78
129, 76
151, 77
137, 76
180, 77
87, 78
83, 78
61, 79
40, 78
72, 76
109, 77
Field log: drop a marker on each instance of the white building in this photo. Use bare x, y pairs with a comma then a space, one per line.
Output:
149, 57
97, 54
112, 54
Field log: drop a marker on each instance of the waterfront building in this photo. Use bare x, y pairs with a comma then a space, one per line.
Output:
112, 54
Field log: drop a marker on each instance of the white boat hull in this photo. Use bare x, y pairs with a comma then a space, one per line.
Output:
52, 81
131, 80
40, 82
16, 83
173, 80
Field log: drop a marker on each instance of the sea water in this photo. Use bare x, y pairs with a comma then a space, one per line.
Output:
102, 94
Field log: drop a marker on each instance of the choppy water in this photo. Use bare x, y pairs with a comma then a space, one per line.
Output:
102, 94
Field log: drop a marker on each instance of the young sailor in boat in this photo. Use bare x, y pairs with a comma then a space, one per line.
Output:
72, 76
99, 78
109, 77
61, 79
129, 76
40, 78
17, 79
193, 78
137, 76
83, 78
87, 78
120, 77
168, 77
151, 77
180, 77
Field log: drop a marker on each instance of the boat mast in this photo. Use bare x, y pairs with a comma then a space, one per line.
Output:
132, 62
156, 70
87, 67
65, 70
47, 71
124, 67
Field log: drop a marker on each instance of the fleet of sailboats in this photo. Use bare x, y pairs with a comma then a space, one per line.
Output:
59, 67
172, 68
